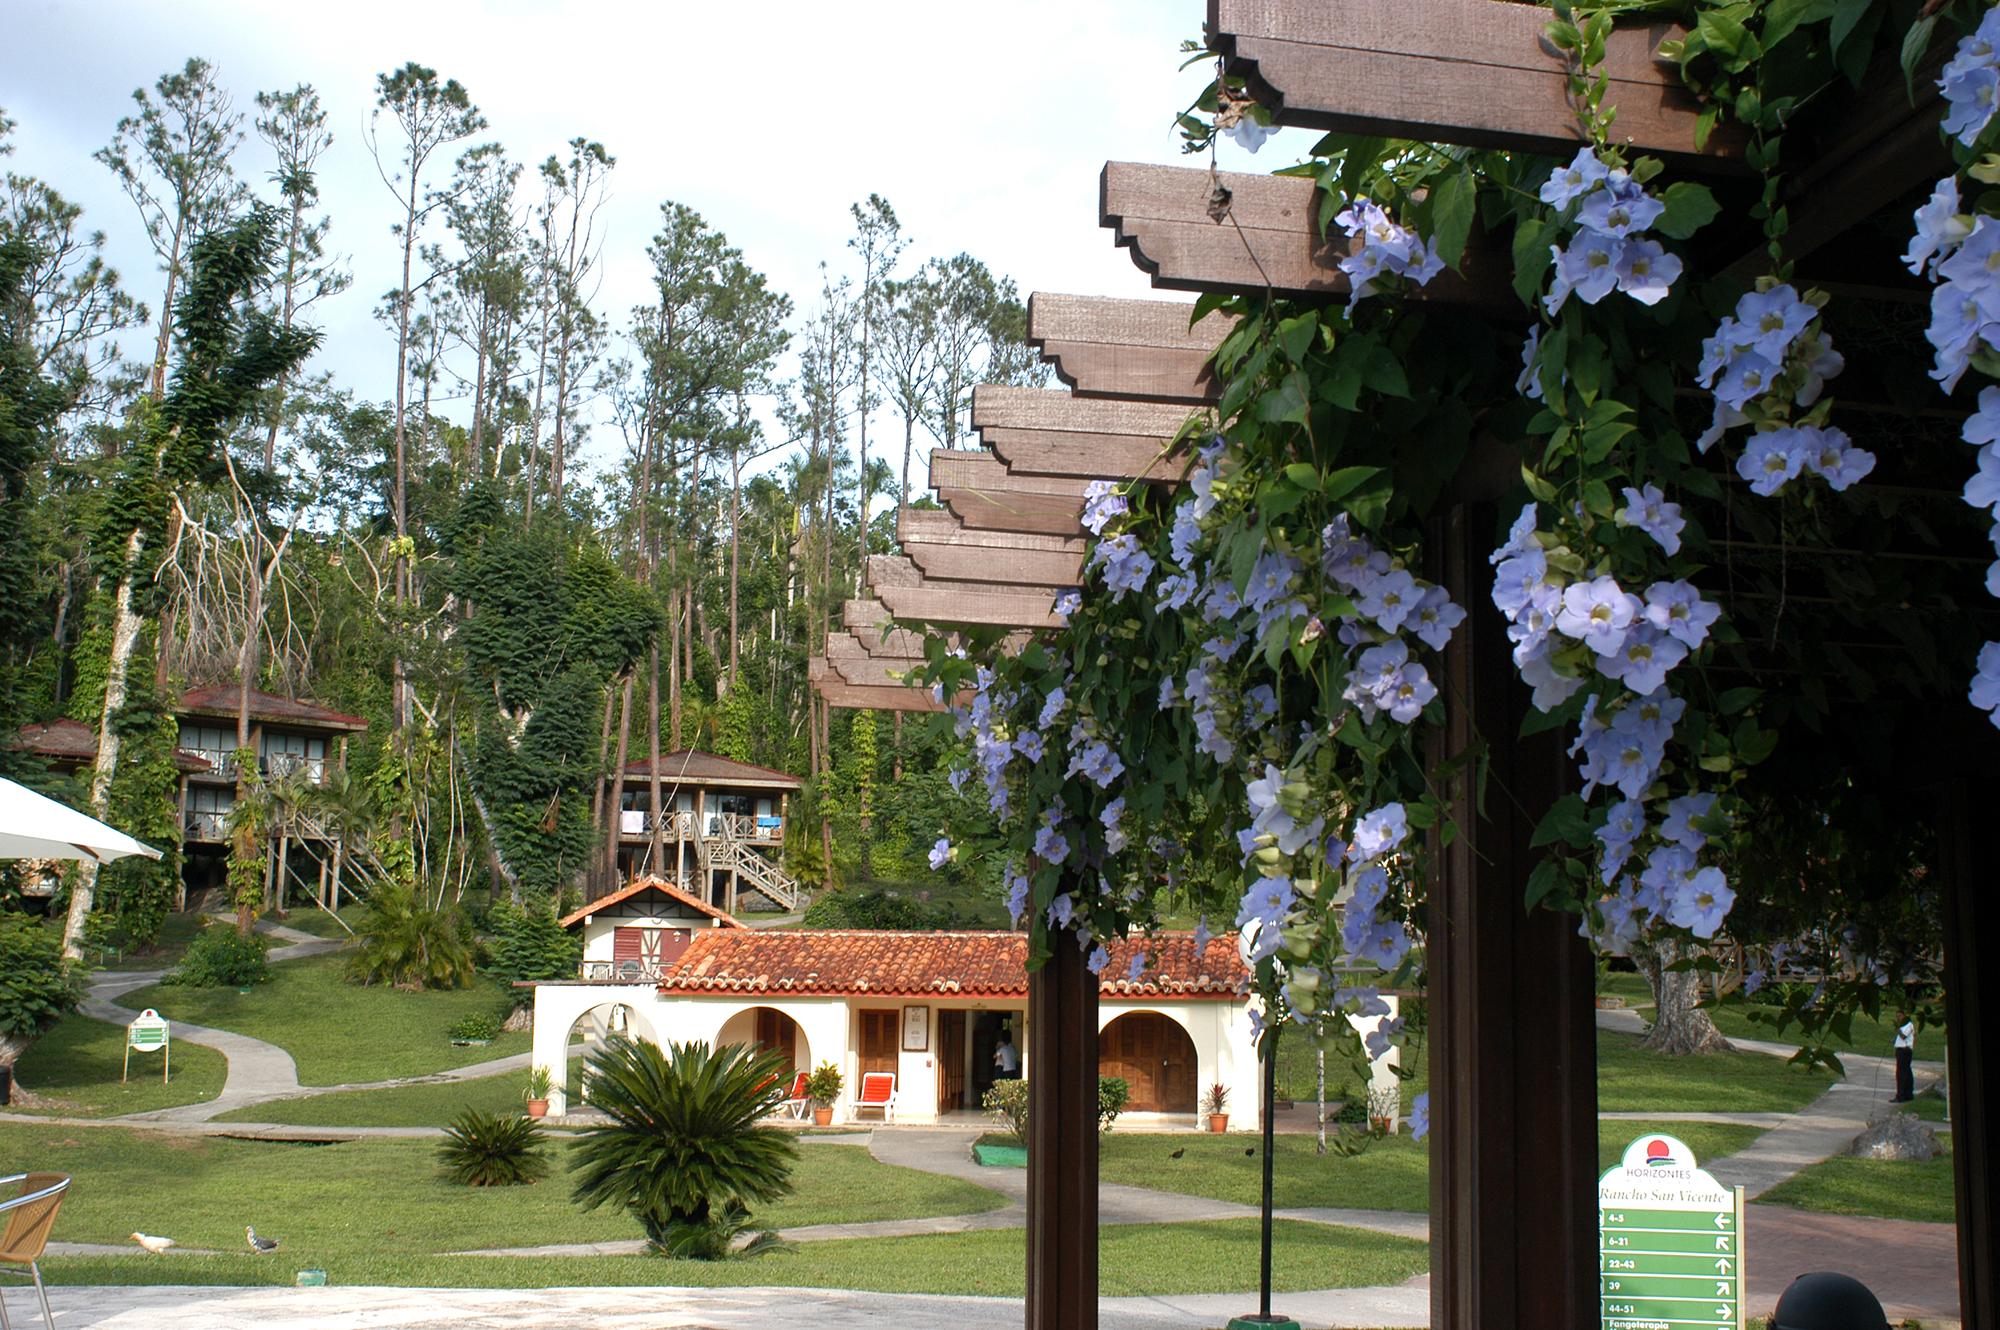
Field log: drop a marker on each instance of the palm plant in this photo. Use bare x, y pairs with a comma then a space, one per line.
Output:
493, 1150
684, 1151
409, 942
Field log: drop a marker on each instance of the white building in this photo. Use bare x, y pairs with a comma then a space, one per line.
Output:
929, 1007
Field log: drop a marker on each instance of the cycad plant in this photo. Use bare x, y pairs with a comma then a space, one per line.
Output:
493, 1150
410, 941
684, 1151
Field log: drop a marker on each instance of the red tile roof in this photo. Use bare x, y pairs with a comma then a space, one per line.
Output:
665, 888
66, 740
698, 768
883, 963
220, 700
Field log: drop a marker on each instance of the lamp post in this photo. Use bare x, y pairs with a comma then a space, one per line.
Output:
1268, 1050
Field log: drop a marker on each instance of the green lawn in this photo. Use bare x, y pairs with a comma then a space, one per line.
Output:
1297, 1071
1632, 1080
1708, 1140
1929, 1105
1391, 1174
309, 918
1733, 1016
433, 1104
76, 1065
361, 1199
341, 1033
176, 931
1133, 1259
1882, 1188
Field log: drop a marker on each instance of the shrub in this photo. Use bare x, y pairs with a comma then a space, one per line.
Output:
1216, 1099
493, 1150
877, 909
222, 958
408, 941
528, 943
477, 1025
1112, 1096
36, 984
1353, 1112
683, 1151
1008, 1100
824, 1085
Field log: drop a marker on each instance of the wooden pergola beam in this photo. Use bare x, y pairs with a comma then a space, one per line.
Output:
1139, 350
901, 572
961, 606
1267, 238
1033, 452
1046, 409
837, 692
939, 526
1474, 72
972, 563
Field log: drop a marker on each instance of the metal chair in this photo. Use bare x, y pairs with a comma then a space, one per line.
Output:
30, 1216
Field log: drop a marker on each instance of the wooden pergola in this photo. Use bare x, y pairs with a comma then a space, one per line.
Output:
1514, 1108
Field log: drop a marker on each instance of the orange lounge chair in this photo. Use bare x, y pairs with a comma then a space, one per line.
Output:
878, 1090
796, 1103
30, 1216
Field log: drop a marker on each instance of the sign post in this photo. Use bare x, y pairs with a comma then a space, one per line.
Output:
1669, 1242
148, 1034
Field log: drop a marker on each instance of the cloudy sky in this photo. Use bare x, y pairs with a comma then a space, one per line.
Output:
983, 125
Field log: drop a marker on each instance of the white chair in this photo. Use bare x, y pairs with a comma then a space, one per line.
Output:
878, 1090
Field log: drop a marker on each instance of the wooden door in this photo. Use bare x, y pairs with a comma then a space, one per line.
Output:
777, 1033
672, 942
1156, 1059
880, 1031
951, 1061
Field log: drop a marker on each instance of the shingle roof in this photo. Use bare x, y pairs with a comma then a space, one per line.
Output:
698, 768
885, 963
665, 888
220, 700
67, 740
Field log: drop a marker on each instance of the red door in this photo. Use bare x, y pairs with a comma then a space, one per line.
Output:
642, 952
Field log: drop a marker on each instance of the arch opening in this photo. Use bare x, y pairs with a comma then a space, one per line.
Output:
1156, 1058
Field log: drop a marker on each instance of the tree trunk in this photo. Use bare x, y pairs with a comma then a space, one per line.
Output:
735, 550
1680, 1025
125, 627
399, 693
909, 443
653, 842
674, 671
164, 340
617, 805
603, 752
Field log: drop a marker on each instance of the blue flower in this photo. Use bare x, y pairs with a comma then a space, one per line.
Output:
1247, 133
1623, 825
1772, 320
1645, 659
1621, 209
1941, 227
1135, 967
1386, 249
1186, 532
1099, 959
1647, 509
1983, 425
1551, 687
1175, 591
1520, 537
1771, 459
1597, 613
1420, 1116
1389, 599
1519, 581
1678, 609
1271, 577
1017, 897
1101, 503
1052, 707
1380, 831
1646, 272
1700, 902
940, 854
1435, 617
1566, 184
1169, 694
1985, 690
1385, 946
1589, 267
1061, 911
1067, 604
1114, 834
1051, 847
1260, 704
1682, 814
1971, 93
1827, 453
1367, 889
1030, 745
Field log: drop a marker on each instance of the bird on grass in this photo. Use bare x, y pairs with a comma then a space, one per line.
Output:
1178, 1153
1251, 1151
151, 1243
258, 1244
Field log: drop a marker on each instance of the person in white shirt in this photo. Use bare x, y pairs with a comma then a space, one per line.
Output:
1906, 1051
1006, 1057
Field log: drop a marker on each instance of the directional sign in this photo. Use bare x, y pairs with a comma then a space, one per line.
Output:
147, 1034
1669, 1241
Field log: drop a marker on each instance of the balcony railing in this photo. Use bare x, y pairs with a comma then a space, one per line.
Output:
622, 972
206, 826
637, 823
277, 766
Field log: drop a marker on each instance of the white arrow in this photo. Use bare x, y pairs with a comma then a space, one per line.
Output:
1721, 1288
1722, 1243
1722, 1221
1722, 1265
1722, 1311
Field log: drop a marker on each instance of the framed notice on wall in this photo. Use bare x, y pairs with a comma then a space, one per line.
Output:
916, 1029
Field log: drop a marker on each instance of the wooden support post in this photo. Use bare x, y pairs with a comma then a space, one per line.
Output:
1514, 1097
1062, 1143
1966, 864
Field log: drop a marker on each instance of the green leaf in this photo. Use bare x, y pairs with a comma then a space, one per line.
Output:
1599, 440
1303, 474
1545, 879
1385, 373
1286, 402
1846, 13
1784, 15
1567, 822
1597, 498
1531, 257
1736, 699
1453, 204
1689, 207
1339, 484
1541, 489
1296, 335
1916, 42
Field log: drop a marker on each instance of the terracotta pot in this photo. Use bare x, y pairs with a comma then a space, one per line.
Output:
823, 1115
1218, 1122
538, 1108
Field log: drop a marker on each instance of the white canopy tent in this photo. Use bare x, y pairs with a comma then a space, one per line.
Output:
35, 827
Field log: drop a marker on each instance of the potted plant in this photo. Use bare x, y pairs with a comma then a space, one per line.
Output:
1216, 1104
1384, 1107
537, 1093
823, 1088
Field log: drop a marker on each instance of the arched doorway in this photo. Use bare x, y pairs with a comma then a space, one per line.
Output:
590, 1029
1155, 1057
771, 1030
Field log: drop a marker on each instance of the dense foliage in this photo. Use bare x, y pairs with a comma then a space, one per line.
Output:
493, 1150
683, 1151
409, 941
222, 958
37, 986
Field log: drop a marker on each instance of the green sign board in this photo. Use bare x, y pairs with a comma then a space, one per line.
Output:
1669, 1243
148, 1034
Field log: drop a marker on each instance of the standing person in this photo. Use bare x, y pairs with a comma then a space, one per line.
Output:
1007, 1057
1906, 1051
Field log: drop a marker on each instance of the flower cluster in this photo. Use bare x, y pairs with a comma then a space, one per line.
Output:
1369, 935
1609, 251
1563, 628
1971, 82
1764, 360
1385, 250
1388, 601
